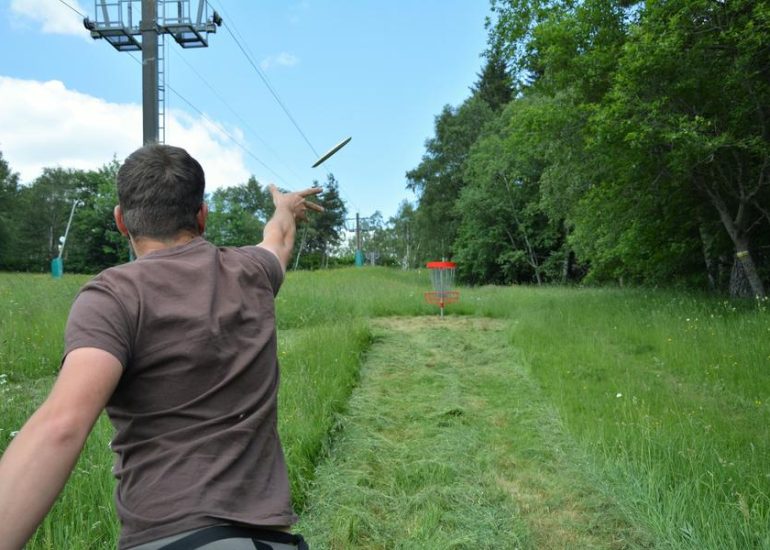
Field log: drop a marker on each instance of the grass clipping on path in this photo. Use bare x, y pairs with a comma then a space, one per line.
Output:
447, 444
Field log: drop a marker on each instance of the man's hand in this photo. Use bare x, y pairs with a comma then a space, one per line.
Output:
279, 232
296, 202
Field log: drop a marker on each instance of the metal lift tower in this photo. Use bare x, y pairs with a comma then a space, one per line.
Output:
116, 21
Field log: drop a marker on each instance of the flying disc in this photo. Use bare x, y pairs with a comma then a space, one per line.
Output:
331, 151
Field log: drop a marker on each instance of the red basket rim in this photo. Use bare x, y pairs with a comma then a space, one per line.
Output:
440, 297
441, 265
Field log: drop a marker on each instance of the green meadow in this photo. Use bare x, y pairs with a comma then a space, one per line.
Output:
529, 417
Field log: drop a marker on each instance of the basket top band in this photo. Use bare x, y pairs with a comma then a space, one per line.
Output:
441, 265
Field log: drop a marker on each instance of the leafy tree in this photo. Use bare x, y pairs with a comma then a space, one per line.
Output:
237, 214
375, 239
505, 234
94, 242
439, 177
691, 92
404, 242
9, 200
323, 232
494, 85
39, 213
44, 209
511, 33
642, 157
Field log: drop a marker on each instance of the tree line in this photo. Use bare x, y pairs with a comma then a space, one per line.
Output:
34, 217
603, 141
608, 140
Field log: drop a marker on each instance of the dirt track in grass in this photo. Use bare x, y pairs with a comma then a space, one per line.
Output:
448, 443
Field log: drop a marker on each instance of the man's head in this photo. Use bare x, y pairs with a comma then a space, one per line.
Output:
160, 191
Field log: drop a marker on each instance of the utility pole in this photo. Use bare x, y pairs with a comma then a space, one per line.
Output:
149, 29
405, 263
115, 23
57, 264
359, 252
360, 258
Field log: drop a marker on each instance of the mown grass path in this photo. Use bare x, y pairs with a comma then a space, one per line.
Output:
448, 443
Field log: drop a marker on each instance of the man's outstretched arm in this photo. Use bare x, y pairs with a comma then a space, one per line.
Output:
280, 230
41, 457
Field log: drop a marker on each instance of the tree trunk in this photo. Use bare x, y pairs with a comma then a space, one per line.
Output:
568, 256
708, 259
723, 271
750, 270
565, 268
739, 283
741, 242
530, 251
299, 250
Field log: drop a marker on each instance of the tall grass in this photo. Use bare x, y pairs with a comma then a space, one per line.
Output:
668, 394
33, 313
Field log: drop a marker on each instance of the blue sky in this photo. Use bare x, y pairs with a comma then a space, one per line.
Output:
376, 71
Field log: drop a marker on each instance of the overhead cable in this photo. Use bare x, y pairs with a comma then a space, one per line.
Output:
267, 84
73, 9
237, 114
221, 129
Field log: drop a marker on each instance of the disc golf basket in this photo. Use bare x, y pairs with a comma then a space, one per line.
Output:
442, 276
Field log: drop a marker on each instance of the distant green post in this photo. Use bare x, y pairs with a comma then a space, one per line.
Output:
57, 268
57, 264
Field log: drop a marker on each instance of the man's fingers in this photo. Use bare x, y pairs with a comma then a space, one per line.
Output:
314, 206
290, 199
311, 191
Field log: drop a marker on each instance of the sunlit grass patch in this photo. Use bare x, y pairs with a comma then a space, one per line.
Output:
669, 393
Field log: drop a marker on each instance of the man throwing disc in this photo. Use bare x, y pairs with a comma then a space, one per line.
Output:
179, 346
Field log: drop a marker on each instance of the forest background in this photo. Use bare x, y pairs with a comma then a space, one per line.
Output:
603, 141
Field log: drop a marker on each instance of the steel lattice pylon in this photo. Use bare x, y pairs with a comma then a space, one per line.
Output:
135, 25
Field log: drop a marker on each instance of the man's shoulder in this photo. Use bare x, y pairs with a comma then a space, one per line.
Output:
114, 275
266, 260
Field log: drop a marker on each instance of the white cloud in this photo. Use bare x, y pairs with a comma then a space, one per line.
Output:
283, 59
222, 160
44, 124
54, 17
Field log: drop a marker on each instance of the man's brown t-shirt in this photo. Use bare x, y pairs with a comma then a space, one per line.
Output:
195, 410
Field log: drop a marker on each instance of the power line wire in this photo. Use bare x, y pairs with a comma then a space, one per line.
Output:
228, 134
221, 129
267, 84
238, 115
73, 9
274, 93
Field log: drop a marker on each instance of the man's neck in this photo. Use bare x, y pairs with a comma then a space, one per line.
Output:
145, 245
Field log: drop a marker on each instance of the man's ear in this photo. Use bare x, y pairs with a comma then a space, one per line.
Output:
200, 217
118, 214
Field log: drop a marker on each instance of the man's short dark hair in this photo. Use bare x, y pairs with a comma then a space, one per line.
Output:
160, 190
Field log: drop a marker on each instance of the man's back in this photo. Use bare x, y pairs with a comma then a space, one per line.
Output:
195, 409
